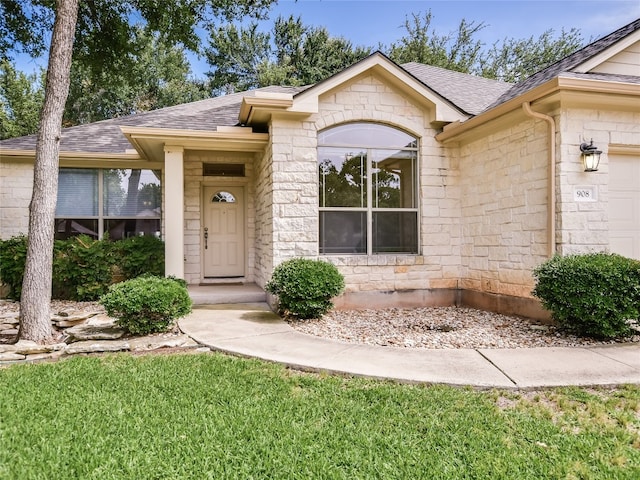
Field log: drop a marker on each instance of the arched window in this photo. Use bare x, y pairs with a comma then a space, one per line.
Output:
368, 193
223, 197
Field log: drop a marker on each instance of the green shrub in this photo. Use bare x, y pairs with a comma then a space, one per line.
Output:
595, 295
305, 287
140, 255
13, 253
147, 304
82, 268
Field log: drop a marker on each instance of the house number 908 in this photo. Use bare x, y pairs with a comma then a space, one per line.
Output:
584, 194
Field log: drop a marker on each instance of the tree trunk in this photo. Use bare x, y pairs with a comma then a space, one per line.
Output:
35, 302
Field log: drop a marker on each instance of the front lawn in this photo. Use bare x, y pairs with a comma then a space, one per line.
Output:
214, 416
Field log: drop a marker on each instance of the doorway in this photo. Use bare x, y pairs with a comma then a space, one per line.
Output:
223, 242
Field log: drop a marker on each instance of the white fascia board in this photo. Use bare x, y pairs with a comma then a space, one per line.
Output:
606, 54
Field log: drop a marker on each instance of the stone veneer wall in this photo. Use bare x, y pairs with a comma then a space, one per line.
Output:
264, 216
583, 226
295, 192
504, 178
16, 187
194, 181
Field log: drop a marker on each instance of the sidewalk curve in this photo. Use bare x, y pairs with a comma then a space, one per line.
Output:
253, 330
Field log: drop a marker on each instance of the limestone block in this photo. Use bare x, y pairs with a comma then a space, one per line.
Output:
91, 346
106, 329
11, 357
27, 347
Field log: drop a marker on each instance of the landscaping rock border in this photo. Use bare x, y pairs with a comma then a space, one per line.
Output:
81, 328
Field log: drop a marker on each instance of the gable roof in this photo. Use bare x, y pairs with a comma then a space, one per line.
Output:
572, 63
441, 109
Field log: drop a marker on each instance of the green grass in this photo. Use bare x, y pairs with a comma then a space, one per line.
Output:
213, 416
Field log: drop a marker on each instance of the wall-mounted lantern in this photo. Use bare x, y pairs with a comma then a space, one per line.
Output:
590, 156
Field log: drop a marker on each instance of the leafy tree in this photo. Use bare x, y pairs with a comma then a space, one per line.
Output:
103, 40
21, 98
459, 52
159, 77
35, 323
311, 54
291, 54
514, 60
237, 56
510, 60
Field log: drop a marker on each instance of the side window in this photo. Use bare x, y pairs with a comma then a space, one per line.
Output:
117, 203
368, 194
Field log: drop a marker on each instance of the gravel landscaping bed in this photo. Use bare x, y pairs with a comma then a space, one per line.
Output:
440, 327
434, 327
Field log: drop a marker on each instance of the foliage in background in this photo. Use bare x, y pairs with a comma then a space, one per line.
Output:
291, 54
509, 60
83, 268
305, 287
596, 294
514, 60
295, 54
159, 77
147, 304
21, 98
458, 51
156, 73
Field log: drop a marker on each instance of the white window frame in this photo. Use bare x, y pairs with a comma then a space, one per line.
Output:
370, 209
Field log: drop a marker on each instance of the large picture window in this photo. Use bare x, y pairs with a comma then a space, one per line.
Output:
117, 203
367, 184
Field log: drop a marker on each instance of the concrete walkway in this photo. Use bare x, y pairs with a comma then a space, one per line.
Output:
252, 330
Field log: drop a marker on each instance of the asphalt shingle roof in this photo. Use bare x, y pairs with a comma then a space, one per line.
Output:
106, 137
470, 93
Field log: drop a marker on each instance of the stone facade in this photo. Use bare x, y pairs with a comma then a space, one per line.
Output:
583, 226
294, 192
16, 187
503, 214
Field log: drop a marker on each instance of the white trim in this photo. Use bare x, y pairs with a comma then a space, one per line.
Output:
174, 211
606, 54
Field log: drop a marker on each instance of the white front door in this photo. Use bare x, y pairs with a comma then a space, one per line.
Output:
624, 205
223, 232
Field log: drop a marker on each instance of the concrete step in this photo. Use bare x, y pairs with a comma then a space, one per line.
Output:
226, 293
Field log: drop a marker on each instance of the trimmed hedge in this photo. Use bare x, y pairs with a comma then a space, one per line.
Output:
594, 295
147, 304
305, 287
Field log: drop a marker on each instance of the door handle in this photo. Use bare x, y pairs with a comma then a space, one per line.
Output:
206, 238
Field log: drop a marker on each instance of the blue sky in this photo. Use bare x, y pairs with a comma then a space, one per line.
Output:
373, 22
368, 22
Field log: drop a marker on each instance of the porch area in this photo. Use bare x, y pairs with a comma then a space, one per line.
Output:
226, 293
